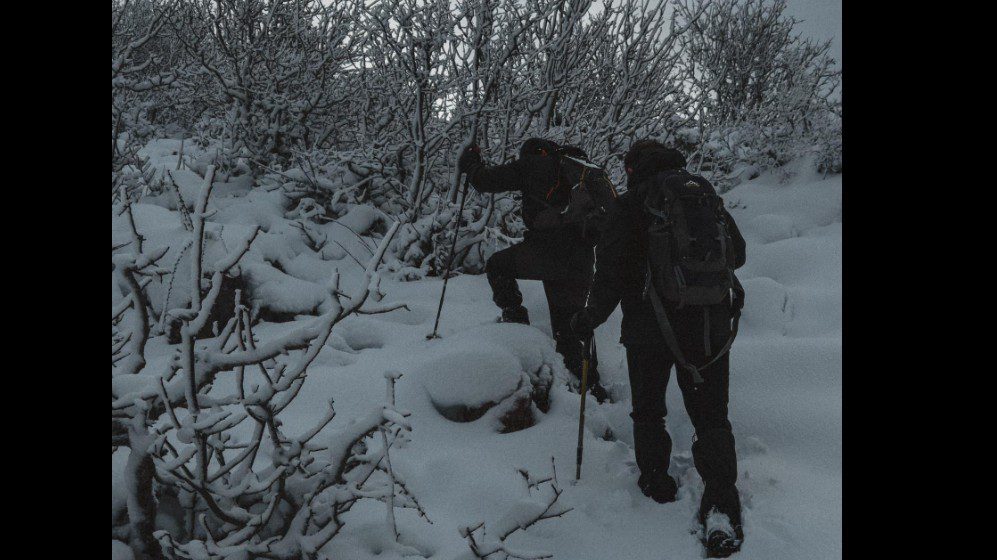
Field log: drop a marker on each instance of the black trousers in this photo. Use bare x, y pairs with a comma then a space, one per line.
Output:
564, 266
649, 368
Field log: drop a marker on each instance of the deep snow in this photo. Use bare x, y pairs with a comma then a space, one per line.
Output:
785, 408
785, 396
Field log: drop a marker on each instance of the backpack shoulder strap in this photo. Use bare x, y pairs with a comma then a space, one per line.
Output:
669, 334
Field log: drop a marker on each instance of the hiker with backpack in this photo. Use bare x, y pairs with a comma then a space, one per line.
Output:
557, 248
667, 256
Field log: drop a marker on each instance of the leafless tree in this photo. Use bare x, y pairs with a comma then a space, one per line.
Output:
143, 64
392, 91
276, 69
764, 93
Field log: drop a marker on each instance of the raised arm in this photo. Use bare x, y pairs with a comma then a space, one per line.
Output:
499, 178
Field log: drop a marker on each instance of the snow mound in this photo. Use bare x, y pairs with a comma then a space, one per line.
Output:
773, 227
471, 376
769, 307
467, 374
362, 219
359, 334
280, 296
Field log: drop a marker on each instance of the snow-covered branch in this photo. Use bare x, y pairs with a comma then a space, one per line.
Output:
491, 542
181, 436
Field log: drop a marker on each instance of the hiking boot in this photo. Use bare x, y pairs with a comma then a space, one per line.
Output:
658, 485
515, 314
722, 538
720, 514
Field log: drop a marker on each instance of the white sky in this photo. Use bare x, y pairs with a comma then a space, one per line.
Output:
821, 20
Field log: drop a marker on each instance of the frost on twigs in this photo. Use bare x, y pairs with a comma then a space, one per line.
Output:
369, 104
491, 541
214, 474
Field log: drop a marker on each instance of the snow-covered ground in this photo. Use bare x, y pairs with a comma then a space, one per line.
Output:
785, 407
785, 395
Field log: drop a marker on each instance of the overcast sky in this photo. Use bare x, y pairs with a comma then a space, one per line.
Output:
822, 20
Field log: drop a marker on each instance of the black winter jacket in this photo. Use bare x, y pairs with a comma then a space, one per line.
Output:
537, 178
621, 263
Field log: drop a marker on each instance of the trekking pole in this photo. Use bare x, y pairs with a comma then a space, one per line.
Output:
581, 408
453, 248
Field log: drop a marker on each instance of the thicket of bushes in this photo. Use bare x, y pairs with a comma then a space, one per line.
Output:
360, 103
300, 113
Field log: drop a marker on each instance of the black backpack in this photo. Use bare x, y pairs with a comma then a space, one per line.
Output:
690, 254
590, 197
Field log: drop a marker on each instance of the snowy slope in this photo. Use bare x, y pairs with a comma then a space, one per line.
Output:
785, 407
785, 403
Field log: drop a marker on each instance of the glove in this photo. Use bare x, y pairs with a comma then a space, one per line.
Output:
581, 324
468, 158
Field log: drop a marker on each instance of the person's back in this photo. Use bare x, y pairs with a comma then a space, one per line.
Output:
621, 276
699, 333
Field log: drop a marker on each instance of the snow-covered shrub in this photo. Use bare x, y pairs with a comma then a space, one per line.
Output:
486, 541
141, 68
275, 68
828, 142
210, 472
356, 103
766, 95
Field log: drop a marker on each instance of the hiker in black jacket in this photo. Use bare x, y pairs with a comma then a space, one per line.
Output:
620, 278
552, 252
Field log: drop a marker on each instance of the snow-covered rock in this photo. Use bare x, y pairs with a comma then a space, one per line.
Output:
500, 366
